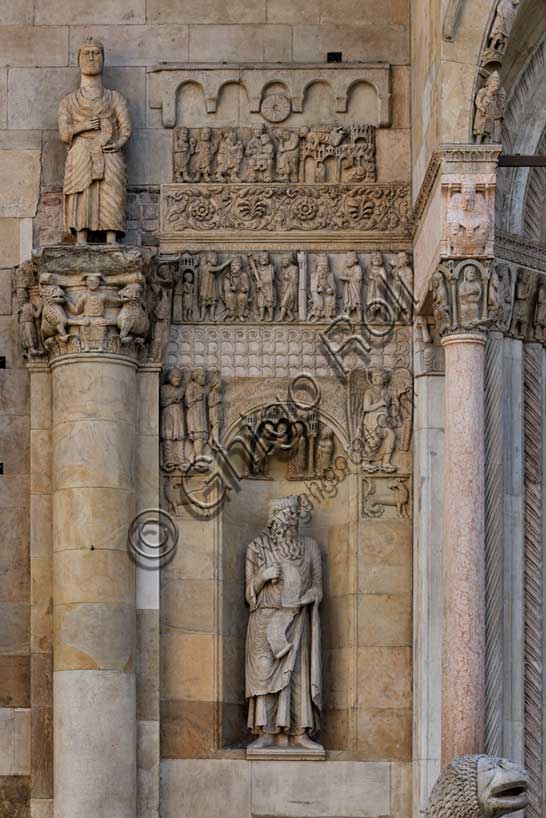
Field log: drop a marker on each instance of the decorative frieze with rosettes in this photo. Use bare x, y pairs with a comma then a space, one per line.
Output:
191, 211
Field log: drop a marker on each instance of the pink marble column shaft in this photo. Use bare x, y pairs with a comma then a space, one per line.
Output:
463, 553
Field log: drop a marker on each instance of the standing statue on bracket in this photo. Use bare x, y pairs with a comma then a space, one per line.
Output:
283, 658
351, 276
95, 124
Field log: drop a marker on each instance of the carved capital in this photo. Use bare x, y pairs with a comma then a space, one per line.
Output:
469, 296
89, 299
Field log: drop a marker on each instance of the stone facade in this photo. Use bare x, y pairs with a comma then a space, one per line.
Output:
256, 253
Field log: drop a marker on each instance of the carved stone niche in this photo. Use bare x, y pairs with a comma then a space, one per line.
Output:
259, 80
329, 153
89, 298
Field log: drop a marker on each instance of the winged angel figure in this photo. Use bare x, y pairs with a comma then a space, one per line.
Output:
379, 410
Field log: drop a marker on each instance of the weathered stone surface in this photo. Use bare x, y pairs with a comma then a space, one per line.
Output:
15, 796
284, 11
42, 752
40, 461
3, 97
188, 605
187, 666
188, 729
109, 781
92, 454
41, 808
15, 439
148, 159
5, 292
384, 561
16, 14
42, 679
320, 789
211, 781
41, 604
97, 575
211, 11
27, 45
14, 563
48, 12
80, 642
35, 95
240, 43
77, 524
9, 242
136, 44
15, 681
147, 665
384, 734
384, 619
374, 42
14, 741
389, 685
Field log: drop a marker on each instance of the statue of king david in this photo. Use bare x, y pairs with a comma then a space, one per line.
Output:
95, 124
283, 657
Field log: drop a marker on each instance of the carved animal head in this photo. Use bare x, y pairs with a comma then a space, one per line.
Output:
132, 293
52, 294
478, 786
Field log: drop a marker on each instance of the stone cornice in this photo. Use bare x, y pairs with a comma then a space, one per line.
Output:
521, 251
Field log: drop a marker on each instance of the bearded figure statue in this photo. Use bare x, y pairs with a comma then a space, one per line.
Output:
283, 658
95, 125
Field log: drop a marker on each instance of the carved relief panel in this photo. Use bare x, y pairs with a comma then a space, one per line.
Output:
290, 287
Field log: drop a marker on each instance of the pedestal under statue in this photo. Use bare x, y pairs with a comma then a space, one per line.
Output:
283, 656
95, 124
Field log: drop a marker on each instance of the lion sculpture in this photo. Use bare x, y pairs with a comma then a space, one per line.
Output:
478, 786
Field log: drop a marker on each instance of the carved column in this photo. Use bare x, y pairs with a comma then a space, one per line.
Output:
92, 332
463, 627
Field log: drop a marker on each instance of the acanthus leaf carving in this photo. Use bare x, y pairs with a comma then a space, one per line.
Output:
201, 209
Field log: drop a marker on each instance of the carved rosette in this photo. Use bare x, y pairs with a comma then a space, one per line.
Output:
92, 299
198, 210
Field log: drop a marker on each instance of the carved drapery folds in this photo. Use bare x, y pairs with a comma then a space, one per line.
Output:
94, 298
331, 153
469, 296
265, 287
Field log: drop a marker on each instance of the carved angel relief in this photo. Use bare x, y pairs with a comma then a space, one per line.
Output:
380, 416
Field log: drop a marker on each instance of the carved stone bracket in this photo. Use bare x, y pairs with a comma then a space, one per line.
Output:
167, 79
90, 299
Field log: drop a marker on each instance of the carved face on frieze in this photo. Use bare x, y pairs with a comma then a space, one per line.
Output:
263, 258
469, 273
175, 377
502, 786
91, 58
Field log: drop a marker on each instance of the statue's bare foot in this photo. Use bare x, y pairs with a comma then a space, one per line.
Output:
303, 742
262, 742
